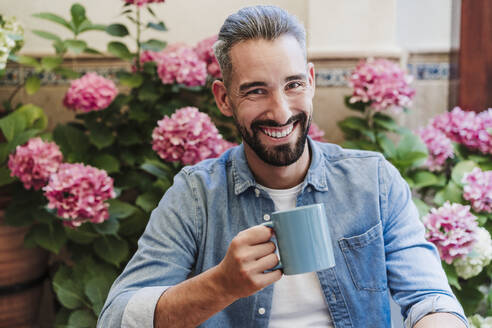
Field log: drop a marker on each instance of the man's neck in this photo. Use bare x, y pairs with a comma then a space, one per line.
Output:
278, 177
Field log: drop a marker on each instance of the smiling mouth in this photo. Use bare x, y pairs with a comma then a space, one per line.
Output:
278, 133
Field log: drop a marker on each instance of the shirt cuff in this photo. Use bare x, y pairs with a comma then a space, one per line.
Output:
139, 312
438, 303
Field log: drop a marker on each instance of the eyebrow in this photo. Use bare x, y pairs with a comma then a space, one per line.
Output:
247, 85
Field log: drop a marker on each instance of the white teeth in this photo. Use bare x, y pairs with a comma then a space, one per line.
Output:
279, 134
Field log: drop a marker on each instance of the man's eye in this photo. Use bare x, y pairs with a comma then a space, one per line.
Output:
294, 85
256, 92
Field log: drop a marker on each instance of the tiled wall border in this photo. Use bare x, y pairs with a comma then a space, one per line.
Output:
325, 77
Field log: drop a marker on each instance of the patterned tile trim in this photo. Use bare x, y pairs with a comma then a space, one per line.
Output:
325, 77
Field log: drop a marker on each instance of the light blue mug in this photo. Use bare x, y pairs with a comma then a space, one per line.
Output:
303, 239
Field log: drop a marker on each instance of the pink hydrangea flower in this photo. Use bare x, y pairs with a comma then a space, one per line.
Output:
34, 162
439, 146
467, 128
205, 52
78, 192
316, 133
141, 3
90, 93
182, 66
382, 84
188, 136
453, 229
478, 189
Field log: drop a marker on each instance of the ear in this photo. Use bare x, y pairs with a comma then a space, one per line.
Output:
221, 98
311, 77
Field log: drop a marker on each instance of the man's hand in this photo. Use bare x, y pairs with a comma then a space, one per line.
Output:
440, 319
240, 274
250, 253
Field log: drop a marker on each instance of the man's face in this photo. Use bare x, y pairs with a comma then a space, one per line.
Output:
270, 93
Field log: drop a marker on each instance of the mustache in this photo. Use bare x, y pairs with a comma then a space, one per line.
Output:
255, 125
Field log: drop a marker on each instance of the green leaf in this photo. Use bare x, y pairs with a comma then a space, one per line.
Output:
479, 158
451, 275
117, 30
424, 179
422, 207
5, 177
66, 72
148, 92
120, 50
81, 235
158, 26
53, 18
61, 318
469, 297
132, 80
69, 292
78, 15
108, 227
460, 169
128, 136
50, 63
101, 136
72, 141
35, 116
46, 35
77, 46
92, 51
149, 200
91, 27
82, 319
358, 106
97, 290
120, 209
153, 45
388, 146
28, 61
107, 162
385, 122
13, 124
49, 236
111, 249
135, 224
452, 193
155, 168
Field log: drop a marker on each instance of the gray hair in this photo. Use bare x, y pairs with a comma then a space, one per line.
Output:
251, 23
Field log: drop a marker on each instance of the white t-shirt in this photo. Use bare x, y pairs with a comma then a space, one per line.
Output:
298, 300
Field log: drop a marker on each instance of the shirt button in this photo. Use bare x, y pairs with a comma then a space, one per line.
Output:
309, 189
261, 311
266, 217
257, 192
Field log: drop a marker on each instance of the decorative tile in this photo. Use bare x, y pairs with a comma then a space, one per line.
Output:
325, 77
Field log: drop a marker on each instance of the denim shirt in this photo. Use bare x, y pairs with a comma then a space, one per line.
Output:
377, 236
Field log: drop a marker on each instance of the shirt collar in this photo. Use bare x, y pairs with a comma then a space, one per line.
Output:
243, 177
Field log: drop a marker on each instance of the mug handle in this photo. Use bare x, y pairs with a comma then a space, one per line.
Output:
269, 224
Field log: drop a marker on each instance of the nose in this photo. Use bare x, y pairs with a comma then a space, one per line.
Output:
279, 108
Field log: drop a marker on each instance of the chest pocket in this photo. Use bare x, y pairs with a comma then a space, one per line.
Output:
365, 258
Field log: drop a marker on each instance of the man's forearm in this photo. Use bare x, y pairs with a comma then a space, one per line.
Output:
440, 319
191, 302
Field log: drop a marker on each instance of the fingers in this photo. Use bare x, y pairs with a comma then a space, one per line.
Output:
255, 235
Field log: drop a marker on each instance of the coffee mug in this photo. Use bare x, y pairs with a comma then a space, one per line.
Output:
303, 239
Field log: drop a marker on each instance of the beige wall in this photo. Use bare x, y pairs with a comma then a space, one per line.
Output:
188, 20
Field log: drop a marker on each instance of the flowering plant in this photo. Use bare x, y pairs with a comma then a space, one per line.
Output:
87, 191
379, 88
457, 174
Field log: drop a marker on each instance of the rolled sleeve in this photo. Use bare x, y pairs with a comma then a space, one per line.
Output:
139, 312
439, 303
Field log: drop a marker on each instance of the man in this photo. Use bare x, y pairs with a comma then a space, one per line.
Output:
204, 259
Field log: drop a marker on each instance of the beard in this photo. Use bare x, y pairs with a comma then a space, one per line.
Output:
281, 155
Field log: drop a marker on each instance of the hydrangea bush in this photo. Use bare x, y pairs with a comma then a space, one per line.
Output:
87, 189
447, 164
